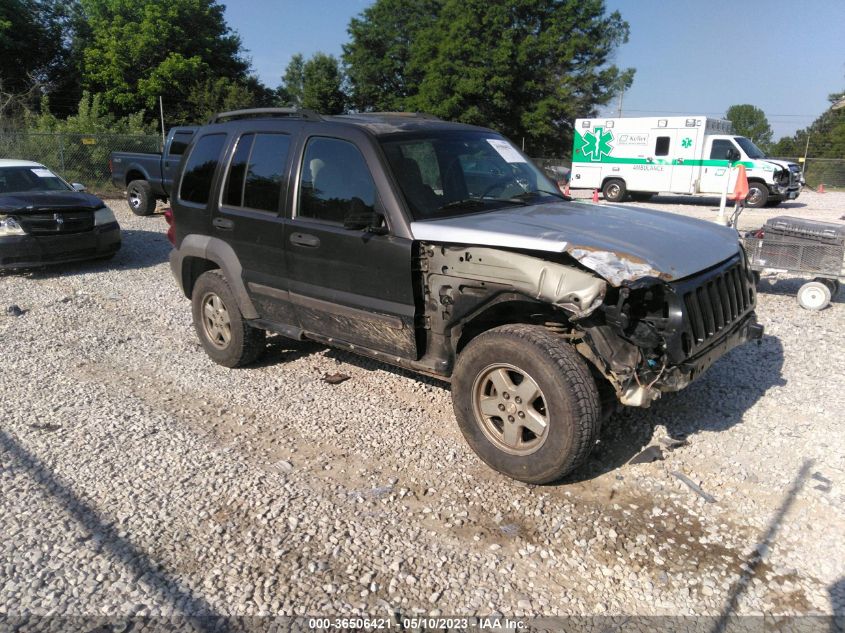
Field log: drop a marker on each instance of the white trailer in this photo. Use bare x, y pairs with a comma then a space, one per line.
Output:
642, 156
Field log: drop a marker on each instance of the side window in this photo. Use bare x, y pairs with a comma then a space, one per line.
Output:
720, 148
199, 171
255, 176
335, 182
661, 146
179, 143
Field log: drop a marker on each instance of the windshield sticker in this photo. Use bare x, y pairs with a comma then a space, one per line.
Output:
43, 173
506, 150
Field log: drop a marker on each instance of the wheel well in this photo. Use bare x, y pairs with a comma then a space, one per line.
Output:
507, 313
134, 175
192, 268
759, 181
608, 178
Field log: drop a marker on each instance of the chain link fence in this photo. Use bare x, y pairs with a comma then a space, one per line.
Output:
77, 157
829, 172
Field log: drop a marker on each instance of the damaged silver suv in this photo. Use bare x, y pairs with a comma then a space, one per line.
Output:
441, 248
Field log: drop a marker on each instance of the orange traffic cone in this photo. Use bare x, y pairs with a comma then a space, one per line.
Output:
595, 195
821, 188
741, 186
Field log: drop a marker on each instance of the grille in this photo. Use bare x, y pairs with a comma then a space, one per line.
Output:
57, 223
716, 304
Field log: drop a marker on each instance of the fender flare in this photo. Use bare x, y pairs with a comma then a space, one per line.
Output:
219, 252
135, 167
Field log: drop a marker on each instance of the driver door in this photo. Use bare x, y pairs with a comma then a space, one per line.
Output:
352, 285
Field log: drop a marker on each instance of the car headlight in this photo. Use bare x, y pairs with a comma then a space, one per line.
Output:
10, 226
104, 216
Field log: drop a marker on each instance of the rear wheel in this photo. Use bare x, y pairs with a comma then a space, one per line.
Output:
758, 195
526, 403
614, 190
814, 295
140, 197
226, 337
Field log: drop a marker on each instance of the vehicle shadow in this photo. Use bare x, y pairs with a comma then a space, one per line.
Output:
713, 201
714, 402
771, 285
139, 249
195, 613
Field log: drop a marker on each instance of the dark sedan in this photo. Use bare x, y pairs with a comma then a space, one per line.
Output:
45, 220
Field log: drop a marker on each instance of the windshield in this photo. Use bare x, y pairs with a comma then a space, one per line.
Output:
750, 149
19, 179
444, 174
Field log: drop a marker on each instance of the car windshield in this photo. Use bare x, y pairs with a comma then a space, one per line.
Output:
750, 149
26, 178
449, 173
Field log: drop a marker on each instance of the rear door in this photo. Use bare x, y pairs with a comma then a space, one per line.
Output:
658, 167
352, 285
250, 214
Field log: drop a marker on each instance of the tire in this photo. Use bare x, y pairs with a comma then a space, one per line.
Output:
226, 337
814, 295
641, 196
832, 284
566, 410
614, 190
758, 195
140, 197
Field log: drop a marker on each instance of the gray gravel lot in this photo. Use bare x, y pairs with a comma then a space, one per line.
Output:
137, 477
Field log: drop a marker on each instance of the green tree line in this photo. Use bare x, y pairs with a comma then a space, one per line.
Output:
525, 67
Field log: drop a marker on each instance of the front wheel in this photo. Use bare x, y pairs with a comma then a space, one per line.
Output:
226, 337
758, 195
526, 403
614, 190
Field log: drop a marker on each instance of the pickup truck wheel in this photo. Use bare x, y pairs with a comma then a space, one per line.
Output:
814, 295
614, 190
758, 195
526, 403
226, 337
140, 197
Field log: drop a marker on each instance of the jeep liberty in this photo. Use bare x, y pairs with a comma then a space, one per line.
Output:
440, 248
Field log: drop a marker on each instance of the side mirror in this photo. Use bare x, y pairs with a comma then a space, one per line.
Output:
362, 218
78, 186
732, 155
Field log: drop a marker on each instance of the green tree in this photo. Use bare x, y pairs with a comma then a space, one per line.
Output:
378, 55
322, 85
525, 67
290, 91
140, 49
751, 122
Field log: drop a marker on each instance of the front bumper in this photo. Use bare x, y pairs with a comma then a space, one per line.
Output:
679, 376
29, 251
782, 192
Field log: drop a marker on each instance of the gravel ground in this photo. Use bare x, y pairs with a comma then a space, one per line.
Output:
139, 478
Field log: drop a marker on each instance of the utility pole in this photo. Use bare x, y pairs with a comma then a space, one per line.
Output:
621, 94
163, 135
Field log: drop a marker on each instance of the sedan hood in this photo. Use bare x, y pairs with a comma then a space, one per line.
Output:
619, 243
40, 201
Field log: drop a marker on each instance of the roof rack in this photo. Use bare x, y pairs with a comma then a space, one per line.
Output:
300, 113
409, 115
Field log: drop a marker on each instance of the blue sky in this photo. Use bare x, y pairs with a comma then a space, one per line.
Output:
691, 57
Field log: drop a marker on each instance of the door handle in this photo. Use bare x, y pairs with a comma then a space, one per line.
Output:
224, 224
303, 239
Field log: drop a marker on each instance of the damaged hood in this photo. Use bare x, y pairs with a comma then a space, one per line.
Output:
39, 201
619, 243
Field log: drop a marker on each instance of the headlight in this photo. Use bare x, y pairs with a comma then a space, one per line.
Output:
104, 216
10, 226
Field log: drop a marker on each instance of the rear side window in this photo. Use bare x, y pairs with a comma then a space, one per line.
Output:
255, 176
661, 146
180, 143
200, 168
335, 183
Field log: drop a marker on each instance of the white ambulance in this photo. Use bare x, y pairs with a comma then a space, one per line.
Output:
642, 156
